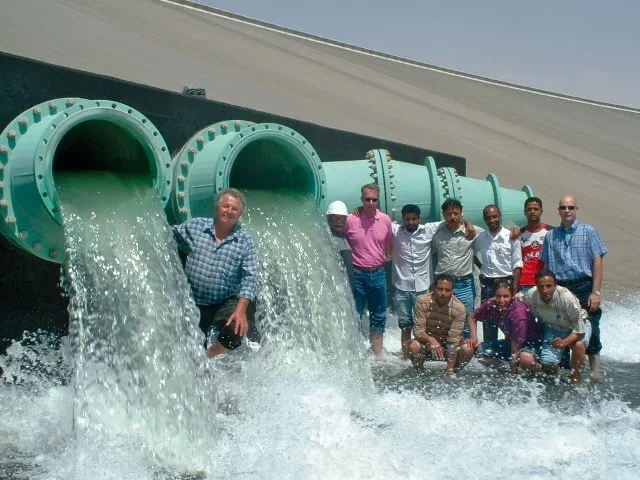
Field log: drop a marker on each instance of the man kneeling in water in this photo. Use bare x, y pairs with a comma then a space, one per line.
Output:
439, 319
516, 322
222, 269
566, 325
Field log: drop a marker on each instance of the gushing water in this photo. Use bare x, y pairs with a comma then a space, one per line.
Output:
129, 394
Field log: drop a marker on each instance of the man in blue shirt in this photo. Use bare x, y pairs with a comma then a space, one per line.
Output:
222, 269
574, 252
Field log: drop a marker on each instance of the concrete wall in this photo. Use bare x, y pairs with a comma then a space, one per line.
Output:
30, 294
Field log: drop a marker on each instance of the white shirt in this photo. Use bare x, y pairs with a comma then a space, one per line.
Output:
411, 269
499, 255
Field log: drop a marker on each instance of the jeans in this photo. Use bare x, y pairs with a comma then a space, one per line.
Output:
403, 303
465, 291
582, 289
371, 288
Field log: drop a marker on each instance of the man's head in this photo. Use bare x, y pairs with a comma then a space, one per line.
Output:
492, 217
443, 290
452, 213
370, 198
533, 209
336, 217
411, 217
568, 210
230, 203
546, 284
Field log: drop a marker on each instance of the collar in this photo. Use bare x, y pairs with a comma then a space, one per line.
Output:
571, 229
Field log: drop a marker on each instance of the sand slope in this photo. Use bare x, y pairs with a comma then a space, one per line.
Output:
555, 145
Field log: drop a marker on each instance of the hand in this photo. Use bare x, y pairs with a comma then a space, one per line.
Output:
594, 302
470, 230
241, 323
357, 211
437, 351
558, 343
472, 343
515, 233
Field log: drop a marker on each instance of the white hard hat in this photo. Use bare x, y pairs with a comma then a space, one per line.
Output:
337, 208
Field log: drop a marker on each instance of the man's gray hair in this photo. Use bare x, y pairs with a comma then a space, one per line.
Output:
370, 186
232, 192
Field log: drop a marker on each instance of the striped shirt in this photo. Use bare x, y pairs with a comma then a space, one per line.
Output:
445, 324
570, 252
217, 272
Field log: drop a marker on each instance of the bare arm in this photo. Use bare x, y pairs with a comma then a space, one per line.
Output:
598, 271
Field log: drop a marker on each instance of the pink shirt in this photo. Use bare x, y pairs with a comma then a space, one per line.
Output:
369, 239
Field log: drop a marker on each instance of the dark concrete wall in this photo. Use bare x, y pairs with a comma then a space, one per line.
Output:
30, 296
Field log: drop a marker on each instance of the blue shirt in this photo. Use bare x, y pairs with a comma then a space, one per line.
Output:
217, 272
570, 252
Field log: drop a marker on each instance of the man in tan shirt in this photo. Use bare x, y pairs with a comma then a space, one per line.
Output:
439, 320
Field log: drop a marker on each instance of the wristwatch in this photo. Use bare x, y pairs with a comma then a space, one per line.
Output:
596, 292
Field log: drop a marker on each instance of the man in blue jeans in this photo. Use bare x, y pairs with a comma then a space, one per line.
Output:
369, 234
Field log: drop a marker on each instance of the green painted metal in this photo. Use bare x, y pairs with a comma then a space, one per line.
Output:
424, 185
102, 135
244, 155
66, 135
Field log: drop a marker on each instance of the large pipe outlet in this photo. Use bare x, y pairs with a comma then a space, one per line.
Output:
66, 135
424, 185
244, 155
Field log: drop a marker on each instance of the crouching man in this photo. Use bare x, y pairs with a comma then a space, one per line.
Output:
439, 320
565, 325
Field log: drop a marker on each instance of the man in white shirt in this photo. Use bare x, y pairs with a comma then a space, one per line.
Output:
411, 269
500, 258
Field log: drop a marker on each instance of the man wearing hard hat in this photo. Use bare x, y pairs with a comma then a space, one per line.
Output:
336, 218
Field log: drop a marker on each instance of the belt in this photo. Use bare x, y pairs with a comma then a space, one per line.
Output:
463, 278
369, 269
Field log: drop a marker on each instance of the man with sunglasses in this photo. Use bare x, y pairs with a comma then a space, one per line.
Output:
369, 234
574, 252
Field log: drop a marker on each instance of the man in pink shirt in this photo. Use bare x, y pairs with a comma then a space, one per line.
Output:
369, 235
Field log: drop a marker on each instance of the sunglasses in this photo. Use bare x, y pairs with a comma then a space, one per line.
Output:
369, 199
566, 207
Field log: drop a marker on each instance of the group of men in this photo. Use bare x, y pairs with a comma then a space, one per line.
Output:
555, 272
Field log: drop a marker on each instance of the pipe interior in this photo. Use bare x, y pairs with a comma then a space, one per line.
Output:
104, 146
273, 164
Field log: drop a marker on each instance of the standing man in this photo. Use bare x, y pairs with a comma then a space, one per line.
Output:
337, 218
574, 252
222, 269
411, 269
501, 261
439, 320
531, 240
453, 255
369, 235
565, 325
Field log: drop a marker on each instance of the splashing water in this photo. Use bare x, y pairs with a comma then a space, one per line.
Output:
129, 394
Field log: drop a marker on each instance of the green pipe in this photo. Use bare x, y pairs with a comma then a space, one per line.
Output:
424, 185
244, 155
66, 135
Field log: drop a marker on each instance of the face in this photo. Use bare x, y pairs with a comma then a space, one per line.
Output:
370, 199
503, 298
533, 212
336, 223
492, 218
567, 209
443, 292
228, 210
411, 221
452, 217
546, 288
